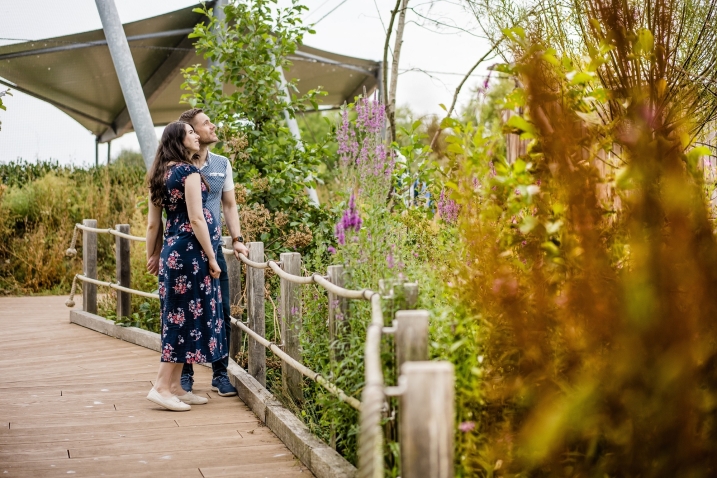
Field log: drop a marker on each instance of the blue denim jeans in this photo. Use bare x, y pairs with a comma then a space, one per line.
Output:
220, 366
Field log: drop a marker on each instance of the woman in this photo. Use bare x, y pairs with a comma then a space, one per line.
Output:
189, 290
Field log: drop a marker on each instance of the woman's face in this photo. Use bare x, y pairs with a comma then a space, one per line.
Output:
191, 139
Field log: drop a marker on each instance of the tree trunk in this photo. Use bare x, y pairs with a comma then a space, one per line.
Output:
391, 106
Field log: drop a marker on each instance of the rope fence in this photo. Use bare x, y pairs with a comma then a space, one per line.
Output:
426, 426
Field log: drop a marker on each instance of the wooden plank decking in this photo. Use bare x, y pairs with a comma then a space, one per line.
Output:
72, 402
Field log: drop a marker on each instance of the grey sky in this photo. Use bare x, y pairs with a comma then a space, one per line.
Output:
32, 129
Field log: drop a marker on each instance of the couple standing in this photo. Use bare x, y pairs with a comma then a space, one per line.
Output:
192, 186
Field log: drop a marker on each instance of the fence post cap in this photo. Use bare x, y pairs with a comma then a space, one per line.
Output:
412, 314
427, 367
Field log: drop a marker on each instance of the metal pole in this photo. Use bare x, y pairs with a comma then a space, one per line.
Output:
97, 151
219, 15
109, 146
293, 126
128, 79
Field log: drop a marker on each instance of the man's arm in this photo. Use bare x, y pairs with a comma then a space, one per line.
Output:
231, 216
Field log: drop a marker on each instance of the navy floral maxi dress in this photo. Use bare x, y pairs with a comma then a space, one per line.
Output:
190, 299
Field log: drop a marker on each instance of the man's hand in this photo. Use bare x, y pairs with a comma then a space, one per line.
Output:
153, 264
240, 248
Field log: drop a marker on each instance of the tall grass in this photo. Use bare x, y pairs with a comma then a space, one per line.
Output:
39, 206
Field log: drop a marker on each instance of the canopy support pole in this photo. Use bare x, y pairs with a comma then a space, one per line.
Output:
128, 79
293, 126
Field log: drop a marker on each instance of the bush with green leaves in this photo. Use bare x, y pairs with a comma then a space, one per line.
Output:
243, 92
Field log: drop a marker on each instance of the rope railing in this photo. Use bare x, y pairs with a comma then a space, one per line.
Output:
113, 231
71, 301
307, 372
315, 278
429, 418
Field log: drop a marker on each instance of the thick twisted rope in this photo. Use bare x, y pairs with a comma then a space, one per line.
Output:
296, 365
72, 251
71, 303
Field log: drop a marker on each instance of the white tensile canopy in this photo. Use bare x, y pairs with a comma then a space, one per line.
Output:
75, 73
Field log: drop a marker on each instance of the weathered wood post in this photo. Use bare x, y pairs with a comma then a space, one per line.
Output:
411, 336
234, 273
402, 295
410, 294
123, 269
89, 267
291, 325
426, 421
338, 311
255, 312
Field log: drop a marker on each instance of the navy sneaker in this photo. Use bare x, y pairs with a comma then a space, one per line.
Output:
187, 382
223, 386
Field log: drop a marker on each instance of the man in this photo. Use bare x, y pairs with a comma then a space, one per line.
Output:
217, 171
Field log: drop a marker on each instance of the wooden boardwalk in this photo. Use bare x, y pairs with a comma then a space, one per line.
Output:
72, 402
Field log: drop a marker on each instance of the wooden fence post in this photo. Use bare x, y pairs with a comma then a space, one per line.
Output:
411, 336
234, 273
338, 311
410, 294
123, 269
89, 267
291, 325
427, 420
256, 313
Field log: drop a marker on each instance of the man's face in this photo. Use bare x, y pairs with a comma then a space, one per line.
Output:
205, 129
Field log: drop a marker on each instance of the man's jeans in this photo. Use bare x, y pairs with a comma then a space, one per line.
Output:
220, 365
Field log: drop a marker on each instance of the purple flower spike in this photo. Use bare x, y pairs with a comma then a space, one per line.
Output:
465, 427
447, 208
350, 221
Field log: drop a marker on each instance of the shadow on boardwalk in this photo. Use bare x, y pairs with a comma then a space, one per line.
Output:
72, 401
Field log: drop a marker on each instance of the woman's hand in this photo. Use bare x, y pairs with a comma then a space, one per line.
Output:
214, 269
153, 264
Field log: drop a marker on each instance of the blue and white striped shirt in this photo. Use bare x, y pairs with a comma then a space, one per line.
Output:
217, 170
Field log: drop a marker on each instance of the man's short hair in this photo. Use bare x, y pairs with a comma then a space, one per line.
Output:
189, 115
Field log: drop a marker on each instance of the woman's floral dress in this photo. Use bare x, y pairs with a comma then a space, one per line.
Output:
191, 301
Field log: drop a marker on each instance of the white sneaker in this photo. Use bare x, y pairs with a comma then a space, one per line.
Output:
192, 399
172, 403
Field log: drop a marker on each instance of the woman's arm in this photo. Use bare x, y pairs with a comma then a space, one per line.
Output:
154, 241
193, 196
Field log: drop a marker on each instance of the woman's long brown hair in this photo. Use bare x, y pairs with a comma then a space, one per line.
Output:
171, 150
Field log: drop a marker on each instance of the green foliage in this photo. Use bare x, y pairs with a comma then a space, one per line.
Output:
248, 50
19, 173
39, 206
2, 106
394, 244
130, 159
581, 310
